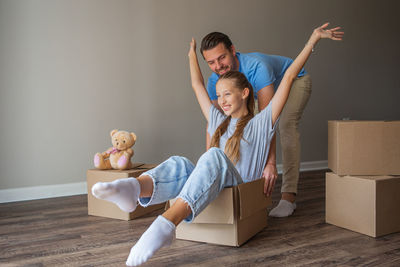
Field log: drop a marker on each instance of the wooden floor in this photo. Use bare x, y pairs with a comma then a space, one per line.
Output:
58, 232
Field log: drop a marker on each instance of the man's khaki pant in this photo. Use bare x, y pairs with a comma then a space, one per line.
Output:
289, 132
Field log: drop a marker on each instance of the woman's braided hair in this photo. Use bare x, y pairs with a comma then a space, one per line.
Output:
232, 147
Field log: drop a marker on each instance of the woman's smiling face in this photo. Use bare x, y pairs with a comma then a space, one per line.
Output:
231, 99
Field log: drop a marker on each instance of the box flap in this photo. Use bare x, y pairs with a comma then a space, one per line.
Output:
252, 198
250, 226
219, 211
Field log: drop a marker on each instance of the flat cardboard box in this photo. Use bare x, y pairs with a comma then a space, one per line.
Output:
237, 214
364, 147
365, 204
98, 207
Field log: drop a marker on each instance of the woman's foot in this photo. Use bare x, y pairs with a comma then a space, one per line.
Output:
122, 192
160, 233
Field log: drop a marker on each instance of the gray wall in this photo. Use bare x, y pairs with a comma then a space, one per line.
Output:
71, 71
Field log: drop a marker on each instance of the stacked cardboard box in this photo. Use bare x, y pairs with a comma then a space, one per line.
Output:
98, 207
363, 191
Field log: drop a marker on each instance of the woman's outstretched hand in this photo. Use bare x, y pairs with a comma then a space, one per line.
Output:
198, 81
192, 49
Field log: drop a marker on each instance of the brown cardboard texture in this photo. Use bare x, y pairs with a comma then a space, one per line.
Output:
364, 147
237, 214
99, 207
364, 204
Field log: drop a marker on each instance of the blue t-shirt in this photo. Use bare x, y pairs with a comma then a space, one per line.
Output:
260, 69
254, 146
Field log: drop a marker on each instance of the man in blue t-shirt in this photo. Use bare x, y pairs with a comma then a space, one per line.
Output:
265, 72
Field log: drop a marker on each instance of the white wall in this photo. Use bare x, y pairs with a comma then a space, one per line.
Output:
71, 71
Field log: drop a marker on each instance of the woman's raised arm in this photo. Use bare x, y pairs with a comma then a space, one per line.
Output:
282, 93
198, 81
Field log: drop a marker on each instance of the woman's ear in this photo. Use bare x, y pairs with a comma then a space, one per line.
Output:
245, 93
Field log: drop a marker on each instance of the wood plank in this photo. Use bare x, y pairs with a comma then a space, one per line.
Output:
58, 232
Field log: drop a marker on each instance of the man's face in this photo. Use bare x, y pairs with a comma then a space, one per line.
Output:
220, 59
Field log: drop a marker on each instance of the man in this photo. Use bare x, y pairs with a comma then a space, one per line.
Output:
265, 72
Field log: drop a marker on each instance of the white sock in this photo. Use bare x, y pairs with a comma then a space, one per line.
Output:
160, 233
285, 208
122, 192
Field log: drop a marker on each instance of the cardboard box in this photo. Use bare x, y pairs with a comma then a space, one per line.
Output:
366, 204
237, 214
98, 207
364, 147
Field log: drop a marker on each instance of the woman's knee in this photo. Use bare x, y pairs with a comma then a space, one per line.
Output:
213, 158
177, 163
215, 151
180, 159
213, 154
175, 158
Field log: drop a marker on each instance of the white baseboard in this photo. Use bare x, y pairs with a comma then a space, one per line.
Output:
309, 166
61, 190
313, 165
44, 191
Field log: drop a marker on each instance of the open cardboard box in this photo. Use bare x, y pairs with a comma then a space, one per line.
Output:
99, 207
364, 147
366, 204
237, 214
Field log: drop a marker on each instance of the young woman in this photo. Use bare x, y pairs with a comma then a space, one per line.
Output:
240, 146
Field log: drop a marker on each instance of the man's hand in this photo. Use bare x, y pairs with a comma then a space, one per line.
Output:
333, 33
322, 32
270, 174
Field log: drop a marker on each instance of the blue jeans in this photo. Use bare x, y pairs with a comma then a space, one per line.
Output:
196, 185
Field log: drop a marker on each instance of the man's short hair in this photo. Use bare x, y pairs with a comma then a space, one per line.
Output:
213, 39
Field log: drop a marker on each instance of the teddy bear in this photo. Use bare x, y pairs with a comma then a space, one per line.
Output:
119, 156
